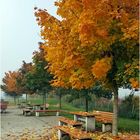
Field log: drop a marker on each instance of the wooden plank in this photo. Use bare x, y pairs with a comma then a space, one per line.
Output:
105, 117
84, 114
68, 121
75, 133
46, 110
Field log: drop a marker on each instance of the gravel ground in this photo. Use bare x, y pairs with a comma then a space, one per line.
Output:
14, 122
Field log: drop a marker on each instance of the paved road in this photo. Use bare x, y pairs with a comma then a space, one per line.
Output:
14, 121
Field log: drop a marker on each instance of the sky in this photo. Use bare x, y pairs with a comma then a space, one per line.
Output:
20, 34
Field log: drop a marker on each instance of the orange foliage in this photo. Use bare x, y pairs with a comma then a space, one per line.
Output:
134, 83
74, 44
101, 67
10, 83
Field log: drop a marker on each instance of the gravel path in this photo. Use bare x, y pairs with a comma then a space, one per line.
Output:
13, 121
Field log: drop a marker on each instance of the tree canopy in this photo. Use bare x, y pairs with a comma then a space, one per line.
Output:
10, 85
21, 79
38, 79
93, 41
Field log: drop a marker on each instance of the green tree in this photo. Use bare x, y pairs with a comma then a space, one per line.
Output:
21, 79
38, 79
59, 93
129, 106
85, 94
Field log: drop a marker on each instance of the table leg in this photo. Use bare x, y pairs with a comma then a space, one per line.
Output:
60, 123
90, 123
106, 127
37, 114
75, 117
57, 113
59, 134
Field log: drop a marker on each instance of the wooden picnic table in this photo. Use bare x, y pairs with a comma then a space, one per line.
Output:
37, 106
88, 118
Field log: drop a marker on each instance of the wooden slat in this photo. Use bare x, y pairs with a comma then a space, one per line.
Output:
75, 133
105, 117
46, 110
84, 114
68, 121
104, 120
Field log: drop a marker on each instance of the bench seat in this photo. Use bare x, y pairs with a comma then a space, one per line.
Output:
63, 121
46, 110
72, 132
39, 111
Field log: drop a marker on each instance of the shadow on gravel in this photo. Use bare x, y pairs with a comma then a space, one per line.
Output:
23, 115
7, 112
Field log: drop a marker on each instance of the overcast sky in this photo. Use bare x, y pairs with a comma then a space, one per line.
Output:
19, 33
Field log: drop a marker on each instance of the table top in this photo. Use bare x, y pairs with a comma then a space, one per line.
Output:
37, 104
28, 107
85, 114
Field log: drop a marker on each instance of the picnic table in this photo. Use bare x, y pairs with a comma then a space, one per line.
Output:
87, 118
28, 110
37, 109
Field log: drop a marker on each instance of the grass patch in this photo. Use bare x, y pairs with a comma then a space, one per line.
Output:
128, 125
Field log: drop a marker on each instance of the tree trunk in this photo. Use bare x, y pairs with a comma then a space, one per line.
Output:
94, 104
115, 113
133, 107
45, 95
86, 104
108, 106
18, 100
60, 103
15, 99
43, 99
26, 98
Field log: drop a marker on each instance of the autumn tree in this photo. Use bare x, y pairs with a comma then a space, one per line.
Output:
93, 41
10, 85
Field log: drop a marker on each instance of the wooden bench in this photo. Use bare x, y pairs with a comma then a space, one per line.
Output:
106, 118
66, 121
27, 111
72, 132
46, 111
